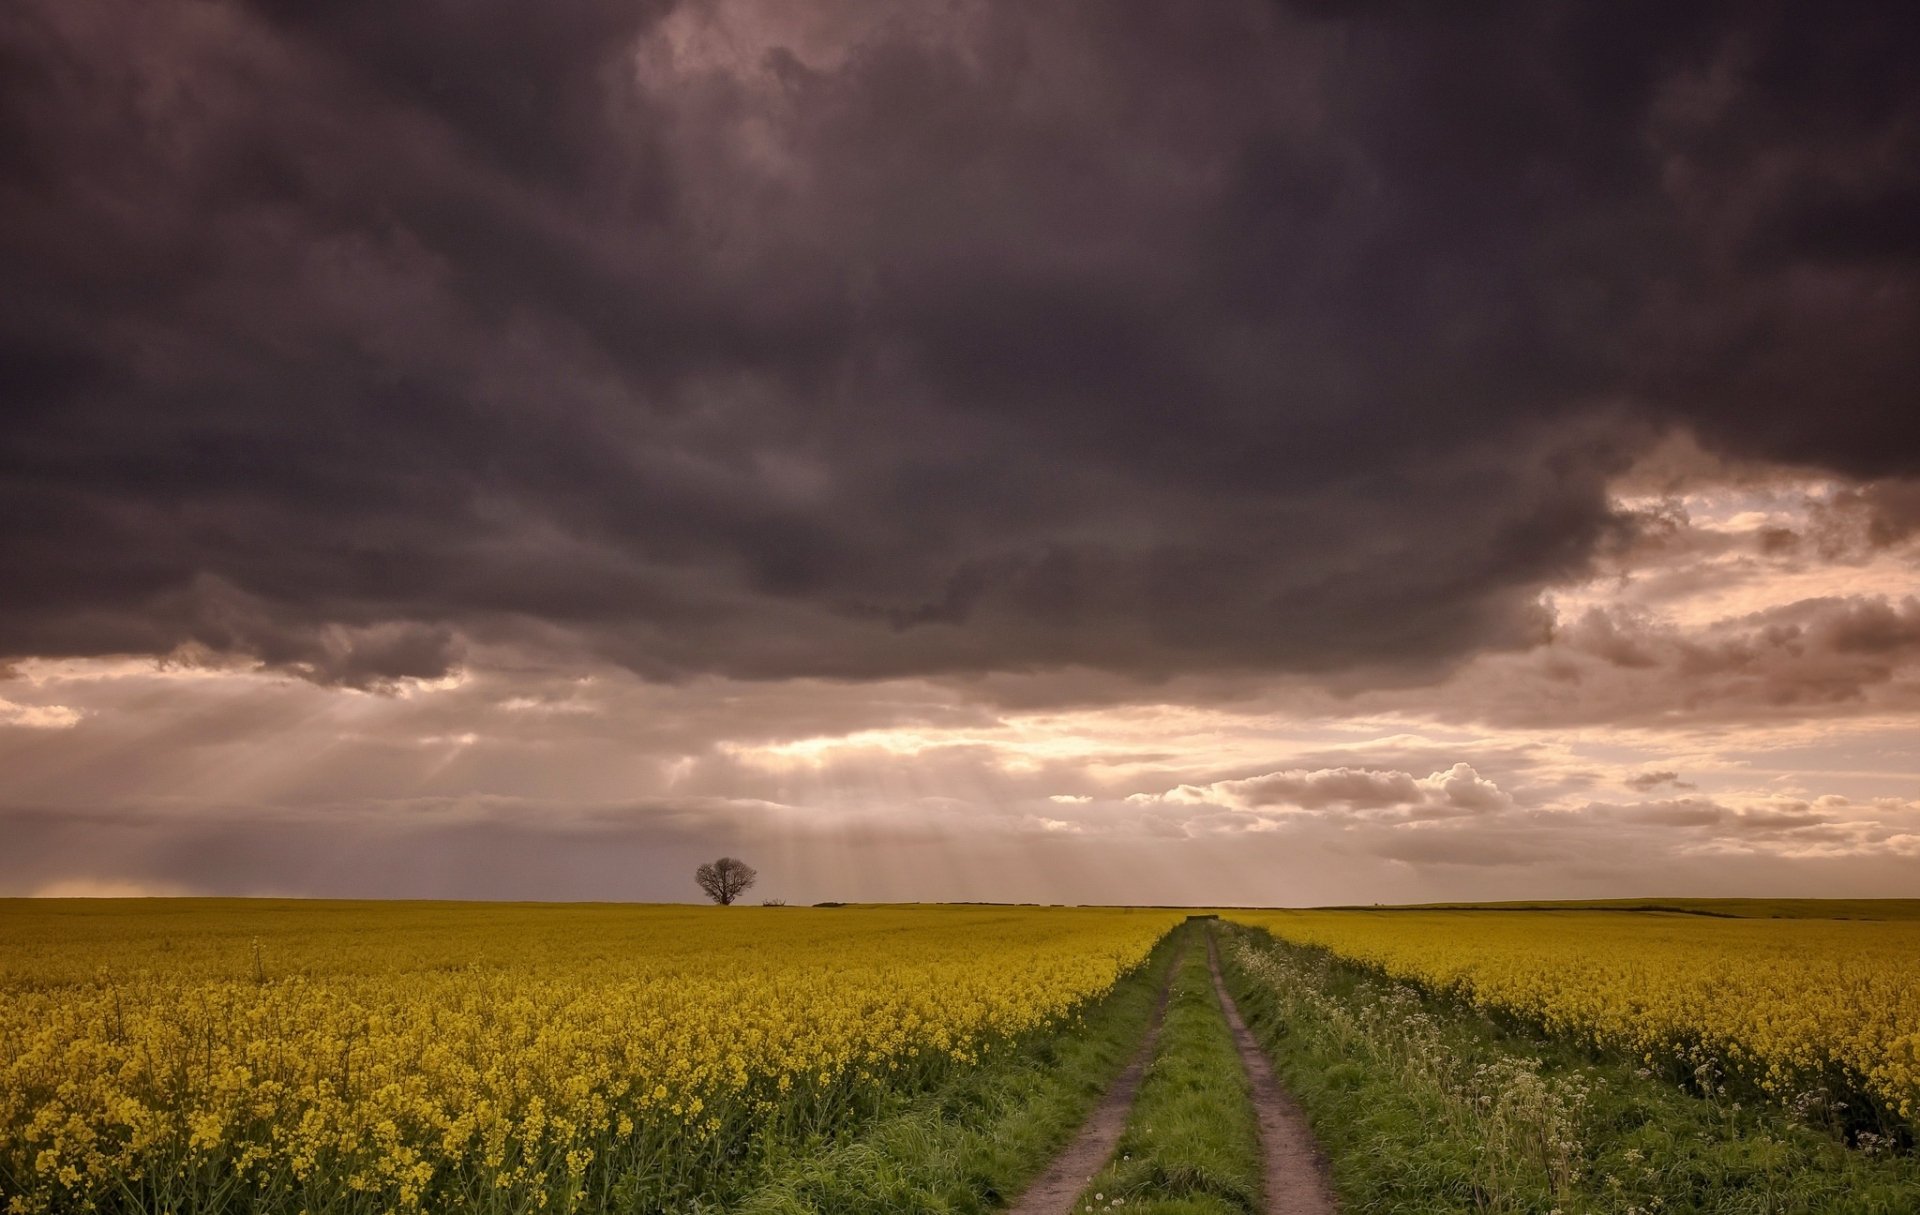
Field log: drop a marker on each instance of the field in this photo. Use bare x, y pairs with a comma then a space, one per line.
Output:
1797, 1009
1737, 909
1634, 1056
1685, 1055
173, 1055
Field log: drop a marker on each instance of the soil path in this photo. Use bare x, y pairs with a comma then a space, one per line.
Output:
1054, 1192
1296, 1170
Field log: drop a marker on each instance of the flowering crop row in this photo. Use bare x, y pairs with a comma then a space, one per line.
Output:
1796, 1007
174, 1055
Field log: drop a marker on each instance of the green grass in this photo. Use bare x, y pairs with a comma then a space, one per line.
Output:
1427, 1107
1192, 1143
972, 1144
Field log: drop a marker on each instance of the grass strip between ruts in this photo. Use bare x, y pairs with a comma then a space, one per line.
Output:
1192, 1143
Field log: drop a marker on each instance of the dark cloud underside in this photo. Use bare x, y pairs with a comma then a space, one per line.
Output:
776, 340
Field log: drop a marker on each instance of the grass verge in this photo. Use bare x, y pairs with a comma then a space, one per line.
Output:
1427, 1106
1192, 1143
971, 1144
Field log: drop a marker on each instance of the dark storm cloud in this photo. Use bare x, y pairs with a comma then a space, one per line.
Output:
775, 340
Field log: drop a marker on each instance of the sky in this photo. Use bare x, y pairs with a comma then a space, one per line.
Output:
1096, 451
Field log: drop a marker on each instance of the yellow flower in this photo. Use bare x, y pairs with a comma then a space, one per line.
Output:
1780, 1003
416, 1052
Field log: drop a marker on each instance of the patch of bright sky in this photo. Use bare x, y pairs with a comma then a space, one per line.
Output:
39, 717
1697, 589
1112, 741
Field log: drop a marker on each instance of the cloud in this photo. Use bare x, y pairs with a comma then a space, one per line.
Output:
1461, 788
1825, 657
38, 717
544, 785
1457, 791
738, 340
1835, 824
1679, 812
1644, 781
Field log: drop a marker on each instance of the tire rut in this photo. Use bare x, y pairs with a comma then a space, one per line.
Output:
1054, 1191
1294, 1168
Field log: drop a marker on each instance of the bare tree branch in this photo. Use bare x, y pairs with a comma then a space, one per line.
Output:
725, 880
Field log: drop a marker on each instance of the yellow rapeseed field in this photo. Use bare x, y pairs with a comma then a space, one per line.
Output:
1805, 1009
180, 1055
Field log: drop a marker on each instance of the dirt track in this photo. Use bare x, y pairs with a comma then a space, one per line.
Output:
1054, 1192
1295, 1170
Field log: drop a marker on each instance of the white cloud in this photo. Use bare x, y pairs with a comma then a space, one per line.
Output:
38, 717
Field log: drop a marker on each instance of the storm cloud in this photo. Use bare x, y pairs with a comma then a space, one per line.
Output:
959, 448
768, 340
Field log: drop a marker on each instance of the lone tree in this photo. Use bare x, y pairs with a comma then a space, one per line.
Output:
725, 880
